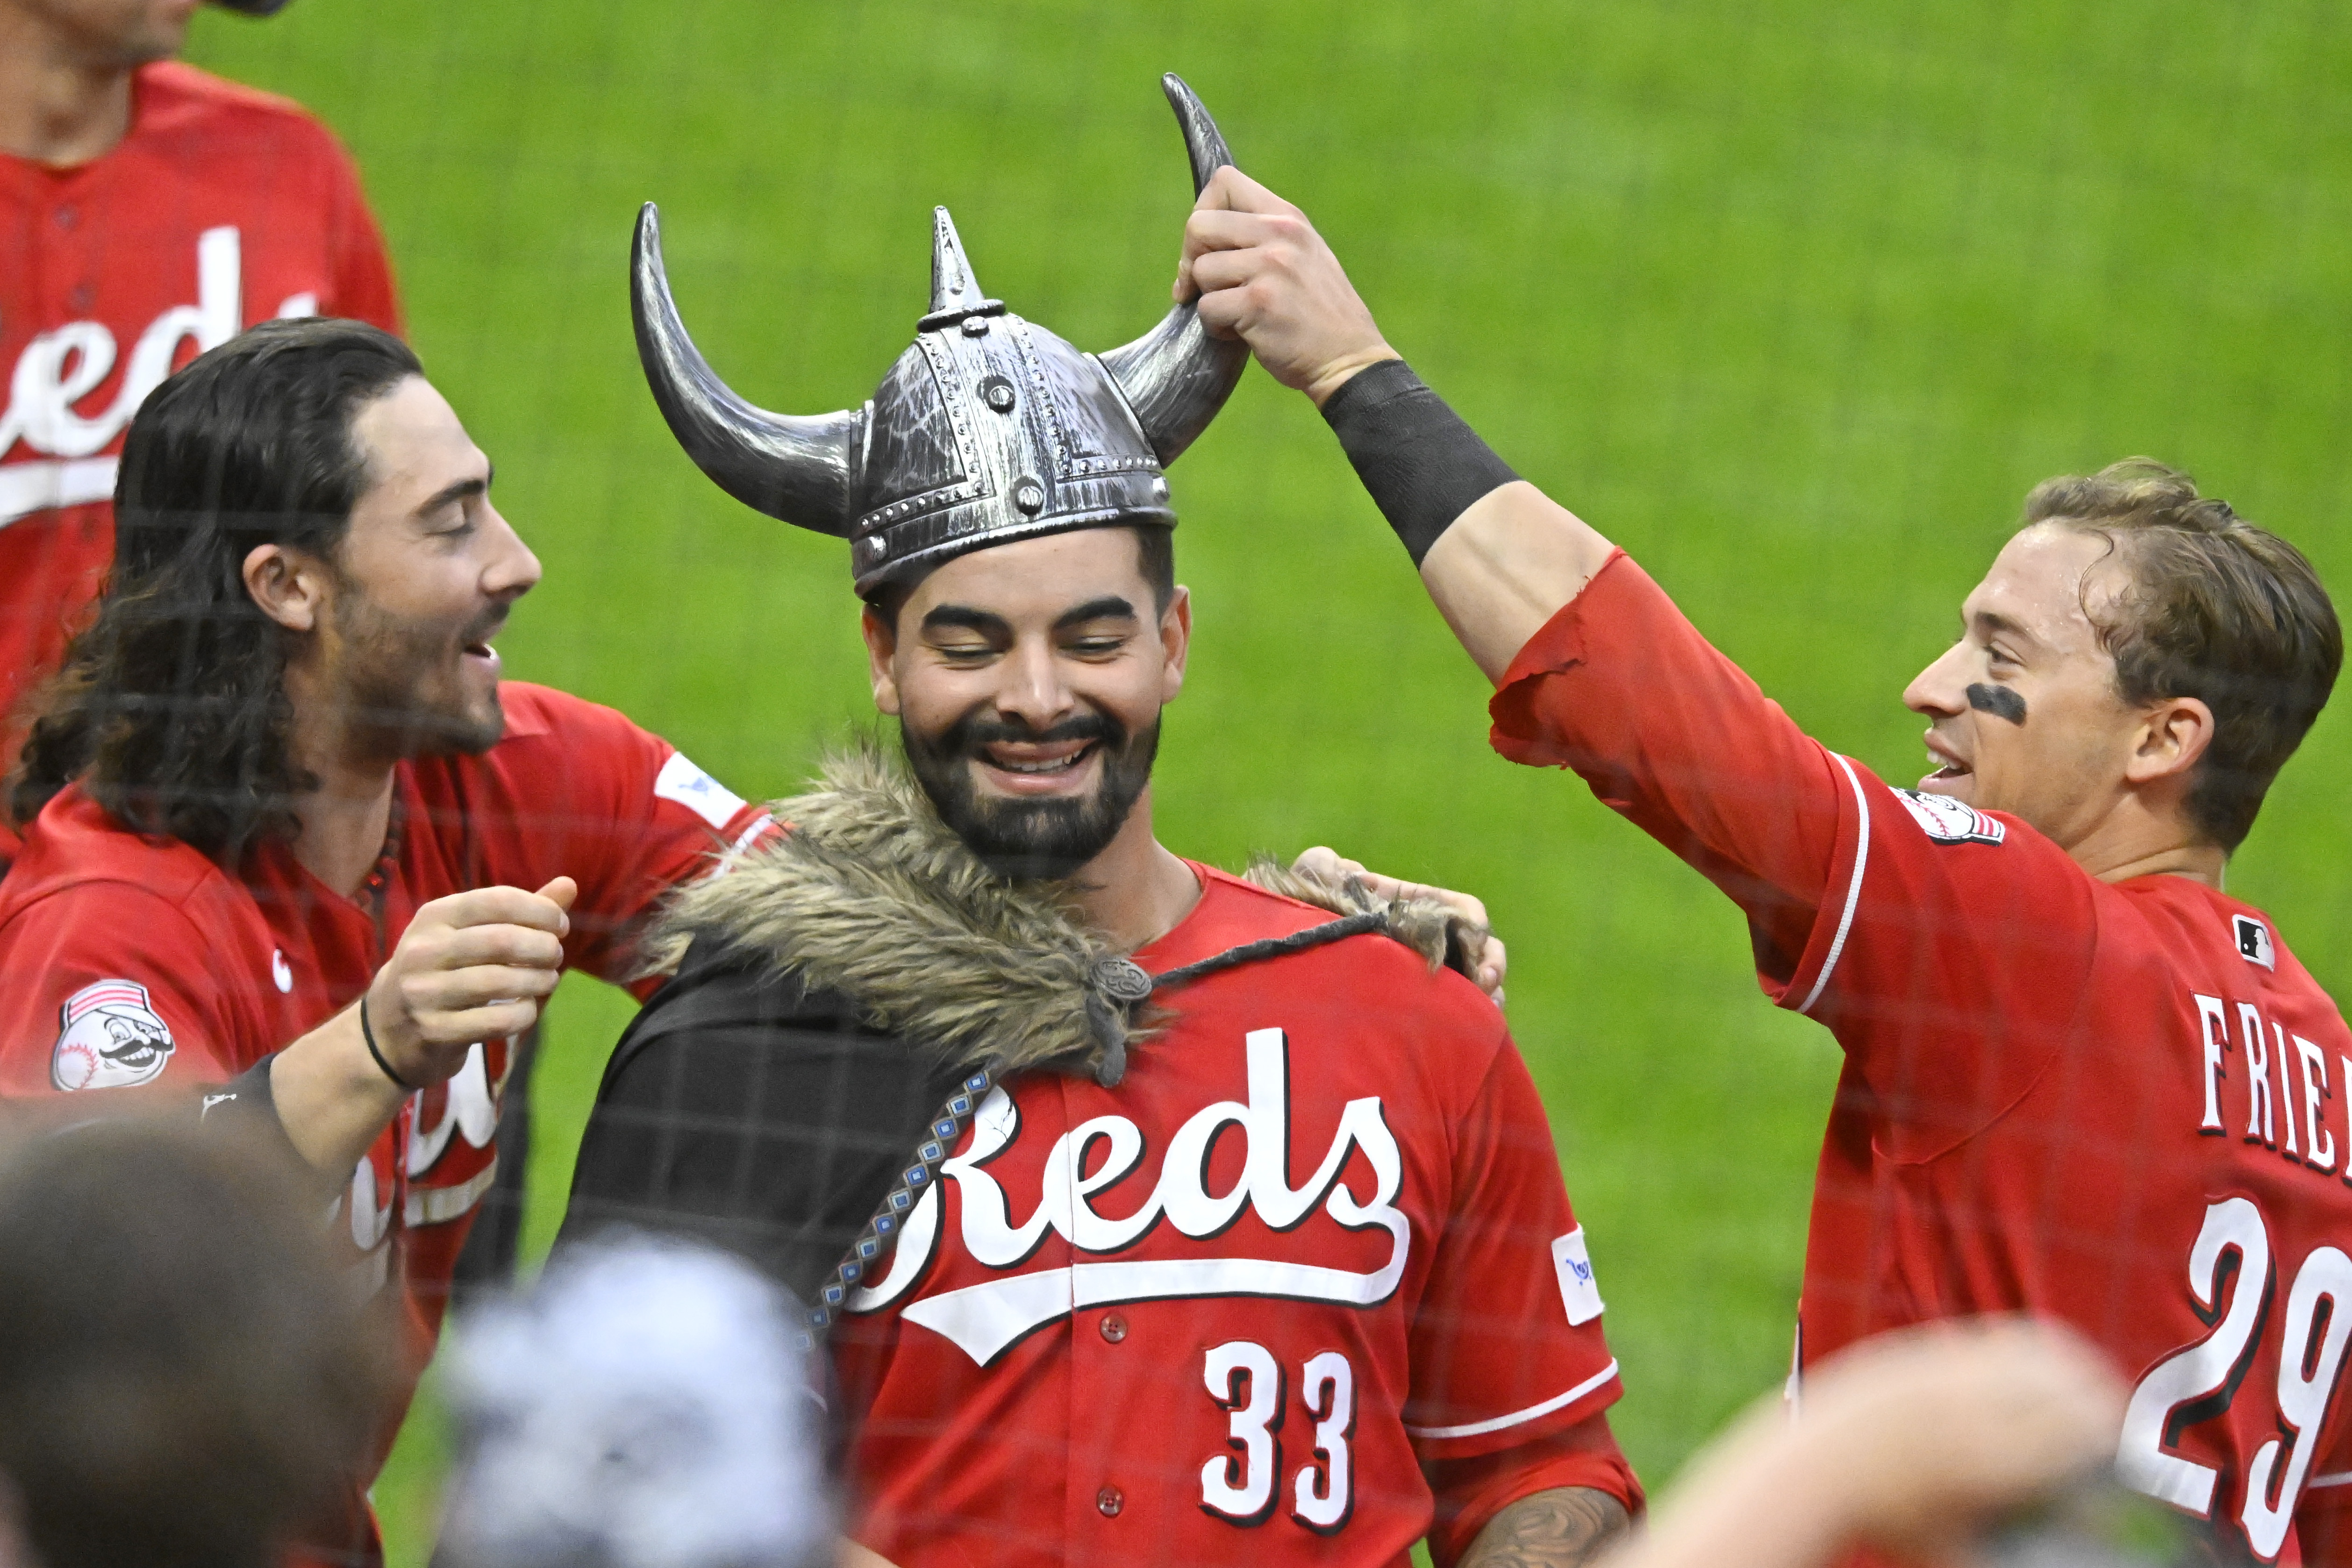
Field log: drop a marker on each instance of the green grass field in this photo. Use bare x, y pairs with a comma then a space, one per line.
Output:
1794, 301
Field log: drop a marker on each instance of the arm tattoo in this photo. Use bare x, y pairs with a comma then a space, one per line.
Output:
1557, 1529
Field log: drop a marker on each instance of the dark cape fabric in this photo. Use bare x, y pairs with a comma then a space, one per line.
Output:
743, 1109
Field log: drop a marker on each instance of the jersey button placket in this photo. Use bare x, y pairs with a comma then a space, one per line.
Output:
1114, 1328
1109, 1500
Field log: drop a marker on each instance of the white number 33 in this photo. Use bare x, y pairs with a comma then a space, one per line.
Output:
1238, 1486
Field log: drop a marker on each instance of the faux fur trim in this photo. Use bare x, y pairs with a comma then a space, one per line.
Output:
872, 896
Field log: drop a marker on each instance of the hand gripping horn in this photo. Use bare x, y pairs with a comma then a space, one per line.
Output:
797, 468
1176, 377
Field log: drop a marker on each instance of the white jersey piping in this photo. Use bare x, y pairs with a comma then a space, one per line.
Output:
1475, 1429
1853, 889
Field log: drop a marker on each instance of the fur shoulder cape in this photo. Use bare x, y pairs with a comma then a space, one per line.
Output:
872, 896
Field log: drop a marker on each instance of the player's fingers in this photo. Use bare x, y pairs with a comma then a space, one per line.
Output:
561, 893
1231, 190
457, 990
1494, 967
1326, 865
466, 1026
498, 905
467, 945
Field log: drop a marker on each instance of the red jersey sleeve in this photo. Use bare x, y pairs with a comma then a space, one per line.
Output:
105, 985
614, 807
1889, 914
1506, 1346
363, 272
1621, 688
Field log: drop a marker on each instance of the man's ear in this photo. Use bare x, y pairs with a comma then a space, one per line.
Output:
881, 647
1175, 642
291, 586
2173, 737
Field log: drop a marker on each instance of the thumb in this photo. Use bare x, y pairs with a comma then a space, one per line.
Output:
561, 893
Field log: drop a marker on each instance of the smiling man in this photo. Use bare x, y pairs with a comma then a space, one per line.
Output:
1157, 1216
288, 838
2080, 1079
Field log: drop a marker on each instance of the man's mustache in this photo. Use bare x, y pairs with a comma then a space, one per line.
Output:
970, 734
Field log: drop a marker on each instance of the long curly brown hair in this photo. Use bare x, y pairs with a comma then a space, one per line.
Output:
171, 710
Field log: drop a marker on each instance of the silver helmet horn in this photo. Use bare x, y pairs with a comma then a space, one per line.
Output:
988, 429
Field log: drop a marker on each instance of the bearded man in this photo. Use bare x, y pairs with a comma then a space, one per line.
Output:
288, 838
2080, 1079
1157, 1216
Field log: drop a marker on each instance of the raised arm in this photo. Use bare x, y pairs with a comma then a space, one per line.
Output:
1500, 557
1613, 682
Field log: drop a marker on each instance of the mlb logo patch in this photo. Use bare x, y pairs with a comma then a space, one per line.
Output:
109, 1036
699, 793
2254, 941
1950, 822
1577, 1292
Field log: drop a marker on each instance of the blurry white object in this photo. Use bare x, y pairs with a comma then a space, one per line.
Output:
643, 1406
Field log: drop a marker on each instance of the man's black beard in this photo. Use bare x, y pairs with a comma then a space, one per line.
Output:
1031, 839
388, 662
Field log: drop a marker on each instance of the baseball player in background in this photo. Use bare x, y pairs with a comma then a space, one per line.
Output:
2080, 1079
147, 211
1159, 1215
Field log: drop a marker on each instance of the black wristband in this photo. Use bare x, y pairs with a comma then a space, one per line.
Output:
247, 1101
1421, 465
367, 1035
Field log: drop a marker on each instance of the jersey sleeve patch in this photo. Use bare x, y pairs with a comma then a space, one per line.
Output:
2253, 940
1950, 822
680, 780
1578, 1290
109, 1036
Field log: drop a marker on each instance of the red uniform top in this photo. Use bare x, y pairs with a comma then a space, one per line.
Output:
127, 959
2123, 1105
221, 207
1305, 1281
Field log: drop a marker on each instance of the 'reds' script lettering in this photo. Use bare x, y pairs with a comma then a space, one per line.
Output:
59, 369
986, 1319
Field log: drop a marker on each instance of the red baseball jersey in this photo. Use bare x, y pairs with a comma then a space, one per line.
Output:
1306, 1280
127, 959
2120, 1104
221, 207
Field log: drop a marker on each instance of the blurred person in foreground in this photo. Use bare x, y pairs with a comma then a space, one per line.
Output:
183, 1377
2080, 1080
148, 211
1156, 1215
1947, 1445
645, 1406
288, 836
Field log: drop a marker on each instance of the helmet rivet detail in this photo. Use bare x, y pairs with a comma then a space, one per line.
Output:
975, 326
997, 392
1029, 497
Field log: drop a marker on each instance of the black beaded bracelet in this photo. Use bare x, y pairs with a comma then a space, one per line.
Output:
1422, 465
367, 1035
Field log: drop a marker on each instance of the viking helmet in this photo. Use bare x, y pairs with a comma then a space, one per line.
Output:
989, 428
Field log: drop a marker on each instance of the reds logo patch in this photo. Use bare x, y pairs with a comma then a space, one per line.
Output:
109, 1036
1950, 822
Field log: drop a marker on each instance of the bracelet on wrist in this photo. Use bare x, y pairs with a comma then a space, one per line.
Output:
367, 1035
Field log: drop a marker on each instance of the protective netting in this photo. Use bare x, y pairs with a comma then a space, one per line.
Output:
1795, 303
